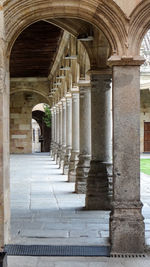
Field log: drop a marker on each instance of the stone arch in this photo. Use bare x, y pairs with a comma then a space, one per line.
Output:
139, 25
108, 17
45, 98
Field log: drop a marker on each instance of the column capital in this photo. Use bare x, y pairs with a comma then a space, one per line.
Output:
63, 100
57, 107
101, 81
84, 83
68, 95
106, 71
116, 60
74, 90
59, 103
68, 99
63, 103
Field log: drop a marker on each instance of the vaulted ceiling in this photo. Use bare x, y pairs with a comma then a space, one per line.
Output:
34, 51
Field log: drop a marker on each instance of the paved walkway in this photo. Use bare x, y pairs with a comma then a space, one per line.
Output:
45, 210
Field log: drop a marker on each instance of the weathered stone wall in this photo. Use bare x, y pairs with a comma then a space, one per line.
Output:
20, 124
21, 104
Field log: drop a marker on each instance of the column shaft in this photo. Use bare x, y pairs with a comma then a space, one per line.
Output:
85, 138
4, 141
97, 184
57, 133
75, 136
68, 133
52, 132
126, 221
63, 132
55, 136
60, 133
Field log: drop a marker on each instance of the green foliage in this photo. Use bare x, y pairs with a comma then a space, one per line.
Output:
47, 116
145, 166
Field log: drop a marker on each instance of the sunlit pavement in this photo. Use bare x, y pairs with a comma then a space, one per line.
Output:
45, 210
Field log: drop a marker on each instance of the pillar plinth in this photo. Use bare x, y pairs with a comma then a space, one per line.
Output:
98, 193
68, 133
126, 220
75, 136
85, 138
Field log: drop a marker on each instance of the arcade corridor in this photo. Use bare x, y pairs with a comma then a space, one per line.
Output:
46, 211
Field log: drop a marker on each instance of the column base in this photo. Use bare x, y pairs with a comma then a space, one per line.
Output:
72, 166
127, 231
3, 259
66, 161
82, 171
53, 150
97, 197
62, 157
59, 151
109, 167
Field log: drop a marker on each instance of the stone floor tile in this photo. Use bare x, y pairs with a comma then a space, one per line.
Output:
71, 264
84, 233
16, 261
44, 233
104, 233
48, 205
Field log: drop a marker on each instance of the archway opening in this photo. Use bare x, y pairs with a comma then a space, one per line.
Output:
145, 129
36, 133
49, 63
42, 134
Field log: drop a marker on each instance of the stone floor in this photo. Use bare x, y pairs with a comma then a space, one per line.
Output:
45, 210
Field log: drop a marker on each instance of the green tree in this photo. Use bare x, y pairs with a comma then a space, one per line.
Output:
47, 115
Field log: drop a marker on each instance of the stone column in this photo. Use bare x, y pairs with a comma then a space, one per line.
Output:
52, 133
57, 133
126, 220
55, 137
75, 135
4, 141
85, 137
97, 196
63, 152
68, 132
60, 132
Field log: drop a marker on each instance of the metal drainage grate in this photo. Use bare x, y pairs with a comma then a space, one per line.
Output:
127, 255
44, 250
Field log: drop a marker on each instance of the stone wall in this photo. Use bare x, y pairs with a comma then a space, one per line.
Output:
21, 105
20, 124
25, 94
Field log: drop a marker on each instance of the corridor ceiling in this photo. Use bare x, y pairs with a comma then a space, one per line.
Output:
34, 51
